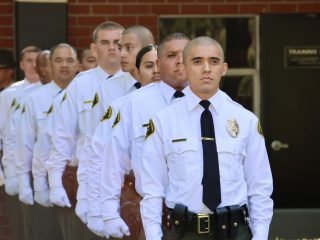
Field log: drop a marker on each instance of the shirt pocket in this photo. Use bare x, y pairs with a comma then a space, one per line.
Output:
181, 155
231, 154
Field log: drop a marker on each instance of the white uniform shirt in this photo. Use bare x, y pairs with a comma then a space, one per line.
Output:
99, 141
10, 131
172, 166
37, 106
124, 150
110, 90
6, 100
43, 145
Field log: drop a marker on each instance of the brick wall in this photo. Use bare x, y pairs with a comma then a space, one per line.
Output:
85, 14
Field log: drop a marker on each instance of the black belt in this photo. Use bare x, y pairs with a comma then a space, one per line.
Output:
224, 222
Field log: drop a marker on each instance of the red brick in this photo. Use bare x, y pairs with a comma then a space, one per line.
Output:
148, 20
181, 1
90, 20
103, 9
224, 8
72, 20
283, 8
6, 9
6, 32
78, 9
83, 43
79, 32
314, 8
194, 9
151, 1
210, 1
92, 1
73, 41
165, 9
142, 9
6, 20
123, 1
6, 43
126, 21
254, 8
240, 1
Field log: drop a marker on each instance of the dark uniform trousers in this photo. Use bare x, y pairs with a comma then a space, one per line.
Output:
244, 233
14, 211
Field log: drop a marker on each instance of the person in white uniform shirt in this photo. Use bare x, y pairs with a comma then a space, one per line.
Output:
29, 84
88, 60
125, 146
147, 73
24, 148
183, 143
74, 126
6, 78
132, 40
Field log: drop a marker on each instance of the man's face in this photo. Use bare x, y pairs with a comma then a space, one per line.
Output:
28, 66
170, 63
88, 61
64, 65
204, 67
129, 46
106, 47
44, 69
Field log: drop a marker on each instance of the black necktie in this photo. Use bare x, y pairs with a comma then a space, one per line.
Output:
137, 85
110, 76
211, 176
178, 94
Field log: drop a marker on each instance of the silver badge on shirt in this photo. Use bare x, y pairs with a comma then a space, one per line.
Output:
233, 128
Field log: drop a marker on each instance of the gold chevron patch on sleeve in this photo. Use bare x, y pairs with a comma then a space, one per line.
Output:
151, 129
117, 120
107, 115
95, 100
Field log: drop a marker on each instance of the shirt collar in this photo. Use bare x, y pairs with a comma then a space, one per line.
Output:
54, 88
103, 75
193, 100
166, 91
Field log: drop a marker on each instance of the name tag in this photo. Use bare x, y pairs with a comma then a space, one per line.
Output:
179, 140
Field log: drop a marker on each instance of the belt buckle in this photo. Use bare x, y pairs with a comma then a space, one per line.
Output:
201, 219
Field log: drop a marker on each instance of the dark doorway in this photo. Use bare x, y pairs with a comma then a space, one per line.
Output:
290, 78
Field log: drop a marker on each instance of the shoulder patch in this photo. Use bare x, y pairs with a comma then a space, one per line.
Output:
259, 129
151, 129
107, 114
17, 107
117, 120
64, 97
13, 102
50, 110
95, 100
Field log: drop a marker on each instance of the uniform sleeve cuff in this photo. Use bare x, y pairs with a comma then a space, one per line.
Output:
55, 179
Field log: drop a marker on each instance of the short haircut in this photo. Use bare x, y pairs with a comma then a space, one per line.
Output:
142, 52
42, 57
63, 45
143, 34
28, 49
202, 40
108, 25
83, 53
170, 37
